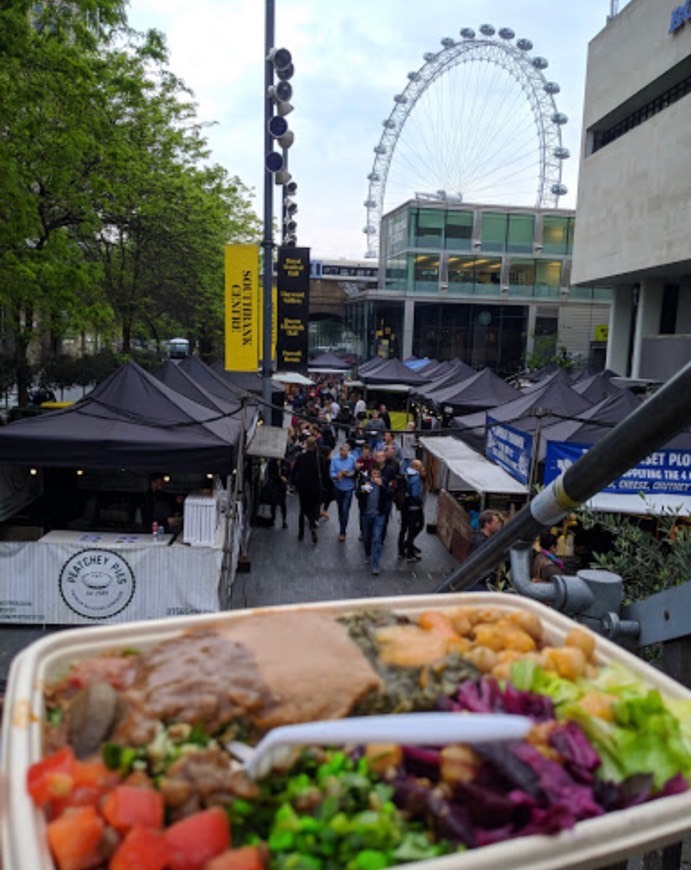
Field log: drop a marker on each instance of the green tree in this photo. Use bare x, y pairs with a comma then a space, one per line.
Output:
647, 560
49, 147
110, 216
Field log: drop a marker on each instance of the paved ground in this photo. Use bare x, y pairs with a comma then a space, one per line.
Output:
286, 571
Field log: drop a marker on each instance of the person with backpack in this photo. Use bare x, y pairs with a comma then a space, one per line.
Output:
412, 512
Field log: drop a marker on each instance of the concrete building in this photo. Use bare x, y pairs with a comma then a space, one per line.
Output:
479, 282
634, 191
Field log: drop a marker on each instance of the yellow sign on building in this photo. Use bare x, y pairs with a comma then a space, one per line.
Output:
242, 321
602, 332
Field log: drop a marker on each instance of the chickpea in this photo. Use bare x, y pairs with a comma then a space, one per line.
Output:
583, 640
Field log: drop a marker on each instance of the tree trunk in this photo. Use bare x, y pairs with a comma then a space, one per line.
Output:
21, 338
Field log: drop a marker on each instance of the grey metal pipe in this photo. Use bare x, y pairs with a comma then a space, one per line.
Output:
649, 427
521, 562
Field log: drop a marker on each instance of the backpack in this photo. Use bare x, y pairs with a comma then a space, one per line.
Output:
399, 485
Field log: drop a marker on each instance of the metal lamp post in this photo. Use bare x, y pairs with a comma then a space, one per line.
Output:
267, 241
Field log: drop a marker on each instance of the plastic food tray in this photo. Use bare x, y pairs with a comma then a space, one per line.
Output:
592, 843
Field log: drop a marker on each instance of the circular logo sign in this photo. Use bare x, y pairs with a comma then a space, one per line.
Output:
96, 583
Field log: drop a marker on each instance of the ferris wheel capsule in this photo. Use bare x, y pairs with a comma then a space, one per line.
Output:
448, 42
506, 33
468, 33
487, 30
561, 153
540, 62
559, 189
560, 118
551, 88
429, 55
524, 44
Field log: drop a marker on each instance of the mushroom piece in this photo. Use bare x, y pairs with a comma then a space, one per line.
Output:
92, 714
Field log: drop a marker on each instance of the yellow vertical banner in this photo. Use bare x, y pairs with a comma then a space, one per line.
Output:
242, 308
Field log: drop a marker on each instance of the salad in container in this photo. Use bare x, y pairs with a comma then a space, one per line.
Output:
120, 744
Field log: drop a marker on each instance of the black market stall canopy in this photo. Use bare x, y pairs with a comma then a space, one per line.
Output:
554, 397
481, 391
328, 363
252, 383
371, 364
588, 427
175, 377
441, 379
131, 420
391, 372
247, 382
596, 387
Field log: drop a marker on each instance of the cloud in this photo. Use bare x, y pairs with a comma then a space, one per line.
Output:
350, 59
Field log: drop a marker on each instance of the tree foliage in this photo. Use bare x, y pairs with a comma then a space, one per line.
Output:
647, 560
112, 219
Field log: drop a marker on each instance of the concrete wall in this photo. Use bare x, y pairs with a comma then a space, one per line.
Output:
633, 194
663, 356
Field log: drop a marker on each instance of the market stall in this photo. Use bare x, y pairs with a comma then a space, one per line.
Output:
82, 574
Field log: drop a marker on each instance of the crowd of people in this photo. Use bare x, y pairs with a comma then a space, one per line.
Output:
339, 451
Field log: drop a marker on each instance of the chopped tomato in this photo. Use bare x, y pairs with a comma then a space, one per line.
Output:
75, 839
129, 805
245, 858
61, 781
94, 773
51, 777
198, 838
143, 849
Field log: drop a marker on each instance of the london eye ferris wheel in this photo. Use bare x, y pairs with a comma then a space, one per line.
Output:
477, 122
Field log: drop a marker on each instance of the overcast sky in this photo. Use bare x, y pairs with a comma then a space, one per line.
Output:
351, 58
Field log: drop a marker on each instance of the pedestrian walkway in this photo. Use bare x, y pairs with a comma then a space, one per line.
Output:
287, 571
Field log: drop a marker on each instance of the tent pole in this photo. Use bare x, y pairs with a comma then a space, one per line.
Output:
233, 497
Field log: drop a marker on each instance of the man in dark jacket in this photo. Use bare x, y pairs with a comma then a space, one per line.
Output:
490, 523
307, 476
376, 499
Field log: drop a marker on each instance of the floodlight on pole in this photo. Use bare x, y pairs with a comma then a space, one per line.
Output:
282, 177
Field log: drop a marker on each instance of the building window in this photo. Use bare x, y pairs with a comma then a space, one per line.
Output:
547, 278
395, 232
396, 274
459, 230
461, 275
557, 235
429, 228
494, 231
521, 277
667, 96
521, 233
487, 276
426, 274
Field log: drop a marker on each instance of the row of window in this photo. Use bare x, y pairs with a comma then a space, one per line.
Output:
458, 230
634, 119
445, 331
483, 276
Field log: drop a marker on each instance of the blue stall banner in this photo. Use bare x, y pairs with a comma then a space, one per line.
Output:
509, 448
665, 471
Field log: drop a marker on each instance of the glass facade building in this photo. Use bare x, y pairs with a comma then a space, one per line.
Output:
473, 282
